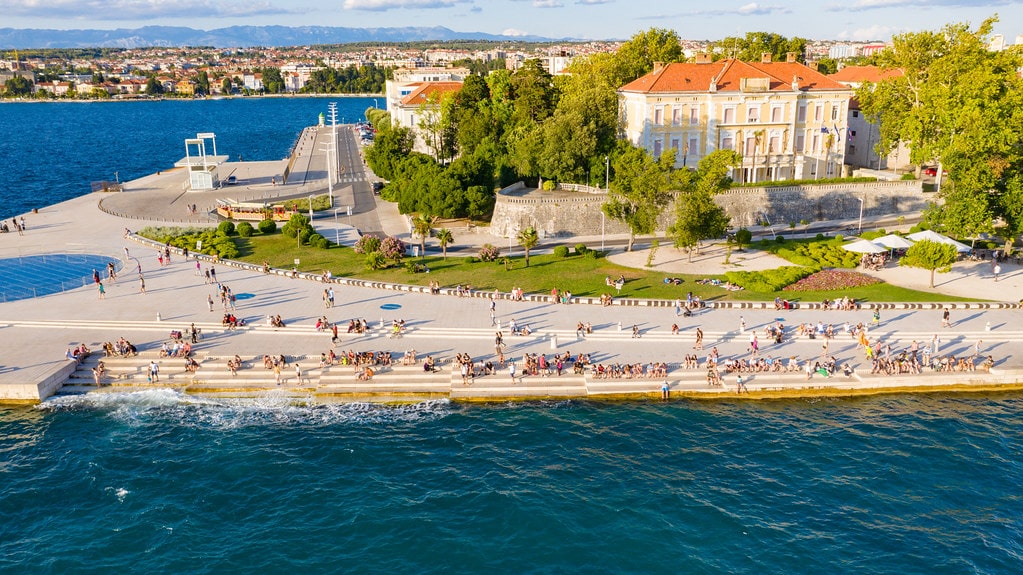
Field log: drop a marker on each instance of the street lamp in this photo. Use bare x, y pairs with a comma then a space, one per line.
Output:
859, 228
607, 171
337, 228
310, 208
601, 230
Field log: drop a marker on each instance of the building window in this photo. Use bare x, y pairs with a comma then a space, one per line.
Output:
676, 116
834, 112
856, 113
751, 145
674, 144
818, 112
729, 115
774, 144
657, 149
694, 146
799, 143
658, 116
753, 115
801, 115
727, 142
776, 115
816, 142
694, 116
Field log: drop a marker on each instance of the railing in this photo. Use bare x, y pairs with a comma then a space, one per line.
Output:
54, 261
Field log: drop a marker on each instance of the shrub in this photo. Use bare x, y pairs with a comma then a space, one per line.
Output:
267, 226
245, 229
561, 251
594, 254
470, 259
367, 245
549, 186
581, 249
819, 237
908, 176
226, 227
779, 239
305, 234
768, 281
375, 261
289, 231
743, 237
392, 248
322, 243
489, 253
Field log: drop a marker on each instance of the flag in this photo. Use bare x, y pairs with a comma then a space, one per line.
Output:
837, 132
824, 130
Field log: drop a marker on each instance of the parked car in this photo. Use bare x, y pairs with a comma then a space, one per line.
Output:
377, 186
933, 171
232, 180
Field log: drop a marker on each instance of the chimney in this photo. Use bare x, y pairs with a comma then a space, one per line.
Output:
790, 57
813, 66
765, 58
703, 58
658, 66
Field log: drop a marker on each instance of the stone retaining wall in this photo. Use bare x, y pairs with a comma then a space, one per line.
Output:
561, 216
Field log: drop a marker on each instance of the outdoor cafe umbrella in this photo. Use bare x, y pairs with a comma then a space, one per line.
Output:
865, 247
893, 241
936, 237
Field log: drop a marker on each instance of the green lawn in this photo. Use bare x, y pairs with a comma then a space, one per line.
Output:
583, 276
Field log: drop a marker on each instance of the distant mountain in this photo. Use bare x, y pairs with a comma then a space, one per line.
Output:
234, 36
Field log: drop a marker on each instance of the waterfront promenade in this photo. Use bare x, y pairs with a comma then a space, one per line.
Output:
39, 330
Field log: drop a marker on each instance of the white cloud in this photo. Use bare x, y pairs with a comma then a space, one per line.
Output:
862, 5
384, 5
875, 32
514, 32
751, 9
546, 4
592, 2
140, 9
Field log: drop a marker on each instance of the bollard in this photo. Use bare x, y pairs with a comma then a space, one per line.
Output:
498, 325
381, 323
158, 318
619, 326
987, 327
554, 341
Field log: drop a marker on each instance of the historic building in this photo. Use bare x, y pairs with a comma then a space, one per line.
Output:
787, 120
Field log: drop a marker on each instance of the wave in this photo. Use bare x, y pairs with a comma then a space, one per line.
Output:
274, 408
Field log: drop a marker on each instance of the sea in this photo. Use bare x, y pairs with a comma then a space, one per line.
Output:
160, 482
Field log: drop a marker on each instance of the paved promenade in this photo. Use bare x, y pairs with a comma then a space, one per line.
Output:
39, 330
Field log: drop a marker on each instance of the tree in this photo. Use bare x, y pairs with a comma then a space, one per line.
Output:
153, 86
273, 82
697, 217
422, 225
930, 256
18, 86
225, 86
444, 238
202, 83
639, 190
751, 47
533, 94
955, 103
636, 57
528, 239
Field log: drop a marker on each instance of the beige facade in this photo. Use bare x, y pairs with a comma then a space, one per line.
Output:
786, 120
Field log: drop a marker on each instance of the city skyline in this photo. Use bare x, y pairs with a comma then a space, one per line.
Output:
854, 20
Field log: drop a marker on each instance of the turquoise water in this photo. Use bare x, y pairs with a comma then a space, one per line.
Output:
155, 482
53, 150
35, 276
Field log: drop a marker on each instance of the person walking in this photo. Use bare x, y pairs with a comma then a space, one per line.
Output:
678, 307
102, 291
699, 339
493, 313
511, 370
209, 301
946, 319
154, 371
142, 285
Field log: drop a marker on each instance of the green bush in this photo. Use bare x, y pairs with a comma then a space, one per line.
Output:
289, 231
305, 234
245, 229
267, 226
561, 251
769, 281
779, 239
322, 243
375, 261
908, 176
581, 249
743, 237
819, 237
367, 245
549, 186
470, 259
226, 227
594, 254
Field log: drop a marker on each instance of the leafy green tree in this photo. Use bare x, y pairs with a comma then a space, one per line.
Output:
928, 255
202, 83
697, 217
636, 57
528, 239
956, 103
390, 147
639, 190
444, 238
225, 86
753, 45
273, 82
18, 86
153, 86
533, 93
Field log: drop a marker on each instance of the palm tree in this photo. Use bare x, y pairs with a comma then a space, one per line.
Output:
422, 225
528, 238
444, 238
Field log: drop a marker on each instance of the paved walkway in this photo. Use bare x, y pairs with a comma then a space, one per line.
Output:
39, 330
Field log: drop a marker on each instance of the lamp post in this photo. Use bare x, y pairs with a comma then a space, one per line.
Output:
337, 229
601, 230
310, 208
607, 171
859, 228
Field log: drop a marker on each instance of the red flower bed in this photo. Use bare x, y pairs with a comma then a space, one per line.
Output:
827, 280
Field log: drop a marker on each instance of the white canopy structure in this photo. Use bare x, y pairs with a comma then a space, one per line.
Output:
893, 241
865, 247
936, 237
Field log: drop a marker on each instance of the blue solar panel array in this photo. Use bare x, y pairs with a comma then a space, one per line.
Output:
37, 276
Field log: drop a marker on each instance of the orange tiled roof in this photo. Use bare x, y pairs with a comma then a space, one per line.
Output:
855, 74
727, 76
429, 90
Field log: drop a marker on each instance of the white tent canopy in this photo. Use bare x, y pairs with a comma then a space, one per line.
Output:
865, 247
893, 241
936, 237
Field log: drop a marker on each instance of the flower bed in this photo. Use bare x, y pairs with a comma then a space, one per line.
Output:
827, 280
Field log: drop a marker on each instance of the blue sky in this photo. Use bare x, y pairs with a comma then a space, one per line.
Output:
593, 19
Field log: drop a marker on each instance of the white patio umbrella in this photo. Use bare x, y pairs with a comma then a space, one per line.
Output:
936, 237
893, 241
865, 247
